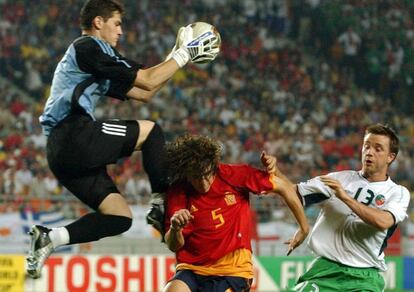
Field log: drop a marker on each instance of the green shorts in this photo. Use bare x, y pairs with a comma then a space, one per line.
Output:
326, 275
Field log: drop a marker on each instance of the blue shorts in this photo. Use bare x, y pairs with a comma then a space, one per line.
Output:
199, 283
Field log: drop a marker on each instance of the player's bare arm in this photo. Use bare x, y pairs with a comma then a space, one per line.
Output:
380, 219
174, 236
270, 163
142, 95
151, 78
288, 192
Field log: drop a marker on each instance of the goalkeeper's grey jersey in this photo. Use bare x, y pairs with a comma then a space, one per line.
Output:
339, 234
89, 70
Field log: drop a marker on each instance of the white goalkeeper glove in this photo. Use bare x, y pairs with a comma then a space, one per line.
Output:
207, 56
203, 48
180, 53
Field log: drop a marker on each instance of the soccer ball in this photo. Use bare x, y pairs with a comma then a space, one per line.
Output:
210, 38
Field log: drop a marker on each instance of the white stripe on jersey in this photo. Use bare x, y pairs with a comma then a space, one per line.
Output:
113, 133
112, 129
114, 126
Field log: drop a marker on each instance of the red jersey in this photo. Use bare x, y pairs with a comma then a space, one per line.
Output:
222, 218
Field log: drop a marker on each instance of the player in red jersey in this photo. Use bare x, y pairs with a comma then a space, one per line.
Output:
208, 218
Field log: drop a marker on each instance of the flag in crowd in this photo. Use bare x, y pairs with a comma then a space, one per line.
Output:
49, 219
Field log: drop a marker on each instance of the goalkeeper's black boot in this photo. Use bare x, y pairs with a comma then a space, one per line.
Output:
40, 249
155, 217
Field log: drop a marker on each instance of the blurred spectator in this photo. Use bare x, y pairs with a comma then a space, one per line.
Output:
38, 188
351, 42
278, 86
23, 179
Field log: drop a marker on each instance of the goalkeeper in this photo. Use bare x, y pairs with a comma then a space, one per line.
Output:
79, 147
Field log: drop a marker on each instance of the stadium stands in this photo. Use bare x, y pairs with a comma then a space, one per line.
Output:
283, 83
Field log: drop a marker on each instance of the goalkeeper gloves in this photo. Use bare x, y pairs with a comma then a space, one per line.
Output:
201, 49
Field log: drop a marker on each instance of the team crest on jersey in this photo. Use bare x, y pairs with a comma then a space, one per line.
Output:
230, 198
193, 209
379, 200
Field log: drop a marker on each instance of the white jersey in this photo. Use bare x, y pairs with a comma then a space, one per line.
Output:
339, 234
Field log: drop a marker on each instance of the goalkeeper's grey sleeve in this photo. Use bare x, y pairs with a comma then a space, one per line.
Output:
314, 191
102, 61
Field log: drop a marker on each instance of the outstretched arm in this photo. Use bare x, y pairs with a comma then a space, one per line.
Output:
270, 163
154, 77
287, 190
187, 48
146, 83
142, 95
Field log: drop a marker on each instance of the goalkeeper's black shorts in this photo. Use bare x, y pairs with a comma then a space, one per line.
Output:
79, 149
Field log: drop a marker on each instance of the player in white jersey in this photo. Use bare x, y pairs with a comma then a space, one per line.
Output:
339, 233
359, 212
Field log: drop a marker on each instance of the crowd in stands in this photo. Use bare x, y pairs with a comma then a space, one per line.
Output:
284, 82
373, 40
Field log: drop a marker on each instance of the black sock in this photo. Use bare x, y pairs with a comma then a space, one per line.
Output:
94, 226
154, 159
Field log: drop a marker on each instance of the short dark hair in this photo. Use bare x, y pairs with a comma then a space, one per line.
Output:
385, 130
94, 8
192, 156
